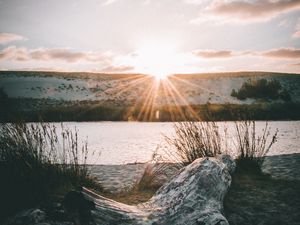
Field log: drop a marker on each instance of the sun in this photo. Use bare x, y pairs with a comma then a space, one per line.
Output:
159, 59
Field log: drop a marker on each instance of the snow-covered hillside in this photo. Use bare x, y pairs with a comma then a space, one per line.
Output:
179, 89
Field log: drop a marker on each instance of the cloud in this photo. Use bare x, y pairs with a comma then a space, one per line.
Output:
296, 34
55, 54
117, 69
109, 2
196, 2
106, 60
56, 69
12, 52
109, 62
245, 11
5, 53
297, 28
294, 64
213, 54
287, 53
284, 53
284, 23
8, 37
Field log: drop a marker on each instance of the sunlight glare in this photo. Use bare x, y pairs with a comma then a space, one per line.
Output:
157, 58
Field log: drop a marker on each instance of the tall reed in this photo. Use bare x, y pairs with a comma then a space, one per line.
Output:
194, 140
252, 147
36, 160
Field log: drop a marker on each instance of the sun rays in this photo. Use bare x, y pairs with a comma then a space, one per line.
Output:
146, 98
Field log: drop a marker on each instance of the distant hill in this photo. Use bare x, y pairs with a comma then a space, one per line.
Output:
129, 88
92, 96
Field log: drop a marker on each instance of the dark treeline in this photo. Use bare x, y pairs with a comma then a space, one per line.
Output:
12, 111
262, 89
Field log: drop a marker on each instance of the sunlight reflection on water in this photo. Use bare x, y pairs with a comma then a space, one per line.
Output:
129, 142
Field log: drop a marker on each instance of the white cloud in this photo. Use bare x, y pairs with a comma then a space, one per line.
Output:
244, 11
287, 53
9, 37
55, 54
117, 69
49, 58
109, 2
282, 53
196, 2
297, 32
214, 53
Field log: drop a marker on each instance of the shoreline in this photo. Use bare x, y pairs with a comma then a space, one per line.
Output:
116, 178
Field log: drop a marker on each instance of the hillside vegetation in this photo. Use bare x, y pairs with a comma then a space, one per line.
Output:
262, 89
54, 96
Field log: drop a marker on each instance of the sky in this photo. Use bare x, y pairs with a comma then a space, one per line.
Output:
158, 37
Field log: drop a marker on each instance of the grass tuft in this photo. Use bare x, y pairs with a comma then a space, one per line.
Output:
152, 178
37, 162
194, 140
252, 148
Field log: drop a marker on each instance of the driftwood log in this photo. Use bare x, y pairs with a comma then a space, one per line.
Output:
194, 196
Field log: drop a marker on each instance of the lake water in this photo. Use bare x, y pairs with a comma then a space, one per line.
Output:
130, 142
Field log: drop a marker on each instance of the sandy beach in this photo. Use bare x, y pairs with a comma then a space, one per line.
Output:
115, 178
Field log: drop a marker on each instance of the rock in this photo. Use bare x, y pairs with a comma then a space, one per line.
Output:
50, 214
194, 196
79, 207
74, 200
27, 217
230, 163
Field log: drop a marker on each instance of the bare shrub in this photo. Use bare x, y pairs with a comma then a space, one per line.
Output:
151, 179
251, 147
191, 140
194, 140
36, 160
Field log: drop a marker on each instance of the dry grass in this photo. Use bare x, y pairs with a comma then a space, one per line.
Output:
156, 173
152, 178
37, 162
251, 147
194, 140
131, 197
